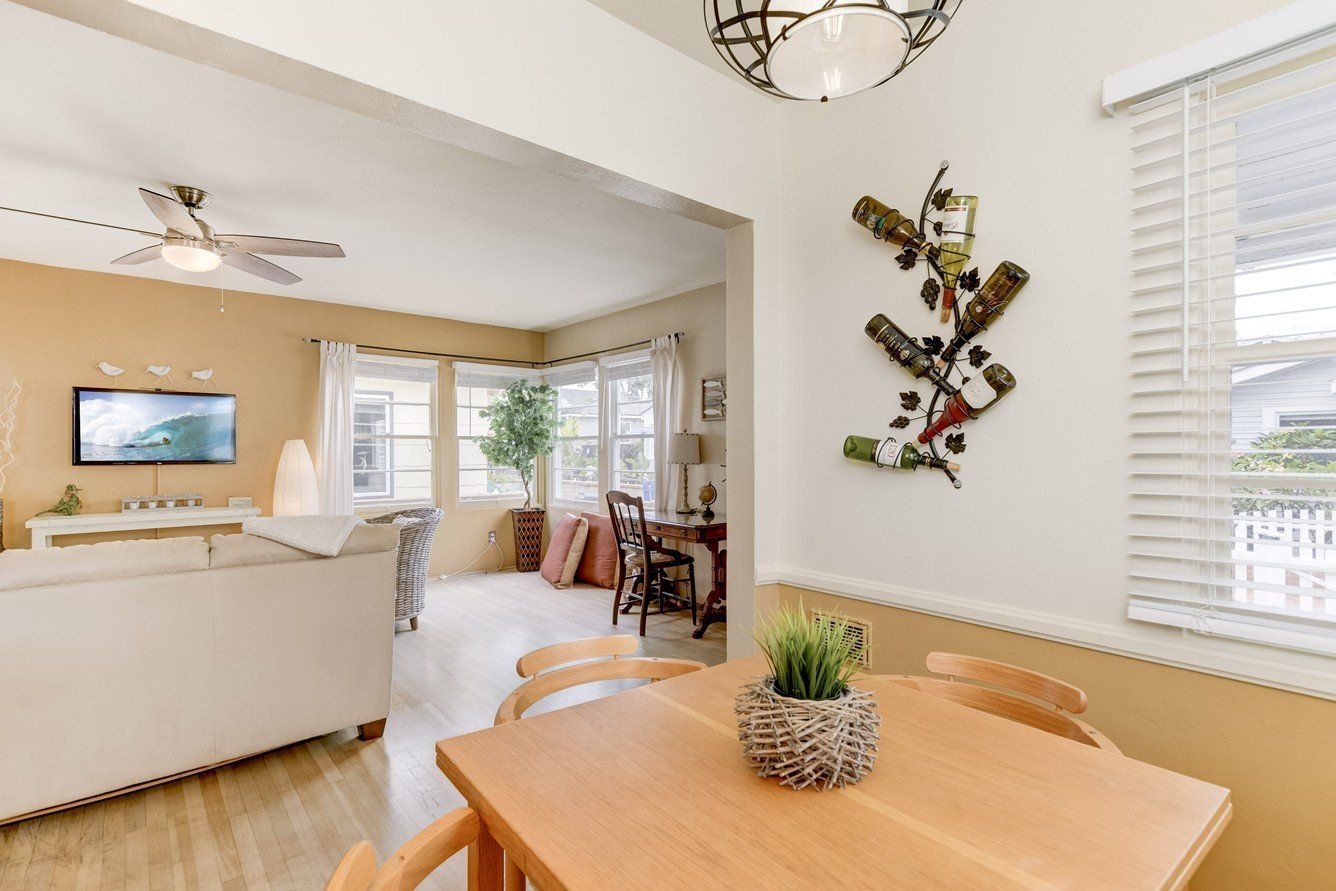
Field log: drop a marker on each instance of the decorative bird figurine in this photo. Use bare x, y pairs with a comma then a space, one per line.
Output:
69, 503
109, 370
205, 377
160, 373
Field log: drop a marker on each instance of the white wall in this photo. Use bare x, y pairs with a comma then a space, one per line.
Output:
1037, 538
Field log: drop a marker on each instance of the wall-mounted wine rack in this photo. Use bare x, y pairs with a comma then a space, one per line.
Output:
930, 357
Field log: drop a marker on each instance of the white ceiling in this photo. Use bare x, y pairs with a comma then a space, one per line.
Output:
428, 228
678, 23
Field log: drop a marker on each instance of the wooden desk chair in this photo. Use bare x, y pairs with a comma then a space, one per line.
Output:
1060, 700
548, 669
408, 866
637, 549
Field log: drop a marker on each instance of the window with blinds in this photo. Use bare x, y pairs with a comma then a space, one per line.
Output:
574, 475
394, 432
1234, 351
477, 387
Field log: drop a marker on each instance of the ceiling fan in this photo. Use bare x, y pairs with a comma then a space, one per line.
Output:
191, 244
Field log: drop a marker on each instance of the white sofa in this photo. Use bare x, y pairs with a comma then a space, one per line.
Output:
126, 662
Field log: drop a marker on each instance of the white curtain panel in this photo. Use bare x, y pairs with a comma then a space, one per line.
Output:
663, 364
334, 441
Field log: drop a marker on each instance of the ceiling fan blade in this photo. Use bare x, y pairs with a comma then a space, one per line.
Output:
263, 268
143, 255
172, 213
281, 247
52, 216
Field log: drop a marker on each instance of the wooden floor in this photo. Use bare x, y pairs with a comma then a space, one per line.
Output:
283, 820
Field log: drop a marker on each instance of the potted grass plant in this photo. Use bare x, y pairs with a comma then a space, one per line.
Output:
803, 723
524, 428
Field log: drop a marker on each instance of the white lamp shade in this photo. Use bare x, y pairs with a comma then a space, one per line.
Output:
838, 51
295, 490
684, 448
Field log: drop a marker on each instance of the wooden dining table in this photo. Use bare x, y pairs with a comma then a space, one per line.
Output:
648, 788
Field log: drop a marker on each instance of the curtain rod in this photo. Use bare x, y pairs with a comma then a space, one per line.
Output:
677, 335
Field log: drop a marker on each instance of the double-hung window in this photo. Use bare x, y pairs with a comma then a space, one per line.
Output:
574, 477
394, 432
628, 426
1234, 351
476, 387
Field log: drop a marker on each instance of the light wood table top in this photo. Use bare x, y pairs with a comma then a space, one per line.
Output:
648, 788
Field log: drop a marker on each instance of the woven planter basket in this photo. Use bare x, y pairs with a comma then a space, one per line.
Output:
528, 537
805, 743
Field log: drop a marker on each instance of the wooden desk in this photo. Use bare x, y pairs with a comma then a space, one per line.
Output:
691, 528
600, 795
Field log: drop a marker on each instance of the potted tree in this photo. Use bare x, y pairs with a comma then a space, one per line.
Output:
524, 429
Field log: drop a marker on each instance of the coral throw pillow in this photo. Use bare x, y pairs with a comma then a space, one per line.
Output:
598, 566
563, 553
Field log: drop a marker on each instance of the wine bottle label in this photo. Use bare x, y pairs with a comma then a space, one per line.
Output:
955, 223
977, 394
886, 451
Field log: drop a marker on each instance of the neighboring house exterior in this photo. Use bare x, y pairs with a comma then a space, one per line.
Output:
1283, 394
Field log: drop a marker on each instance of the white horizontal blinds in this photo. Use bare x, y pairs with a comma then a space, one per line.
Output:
571, 374
398, 368
625, 365
468, 374
1233, 355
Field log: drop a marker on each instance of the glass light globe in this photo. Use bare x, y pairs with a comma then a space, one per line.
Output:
190, 255
837, 52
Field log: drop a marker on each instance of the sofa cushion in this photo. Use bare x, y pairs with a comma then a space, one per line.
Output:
41, 567
563, 552
598, 563
240, 549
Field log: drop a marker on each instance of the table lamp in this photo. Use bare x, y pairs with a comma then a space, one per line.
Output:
684, 449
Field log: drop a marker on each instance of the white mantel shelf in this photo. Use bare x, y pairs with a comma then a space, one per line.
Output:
44, 528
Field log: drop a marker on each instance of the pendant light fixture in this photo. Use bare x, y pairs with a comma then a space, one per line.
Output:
823, 49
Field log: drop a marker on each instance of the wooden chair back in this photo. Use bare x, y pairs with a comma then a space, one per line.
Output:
1055, 712
414, 861
550, 670
628, 525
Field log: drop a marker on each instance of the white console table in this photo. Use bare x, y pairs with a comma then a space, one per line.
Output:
45, 528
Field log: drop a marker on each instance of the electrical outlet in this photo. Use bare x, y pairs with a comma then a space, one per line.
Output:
491, 538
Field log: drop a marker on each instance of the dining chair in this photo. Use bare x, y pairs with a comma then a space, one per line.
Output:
1054, 712
643, 560
561, 666
413, 862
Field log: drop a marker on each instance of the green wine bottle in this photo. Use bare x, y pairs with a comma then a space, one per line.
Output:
889, 453
957, 242
889, 225
904, 350
987, 306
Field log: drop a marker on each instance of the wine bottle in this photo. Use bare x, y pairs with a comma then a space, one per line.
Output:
957, 242
904, 350
889, 453
987, 306
973, 399
888, 224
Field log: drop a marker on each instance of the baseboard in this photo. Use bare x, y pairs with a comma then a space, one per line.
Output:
1202, 656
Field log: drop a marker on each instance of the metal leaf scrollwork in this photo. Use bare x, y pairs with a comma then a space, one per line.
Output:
978, 355
900, 423
933, 345
955, 443
937, 228
907, 259
939, 198
930, 292
910, 401
969, 281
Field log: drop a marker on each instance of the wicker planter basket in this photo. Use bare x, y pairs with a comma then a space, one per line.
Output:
528, 537
805, 743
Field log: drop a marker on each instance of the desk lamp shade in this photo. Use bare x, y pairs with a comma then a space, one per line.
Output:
684, 448
295, 490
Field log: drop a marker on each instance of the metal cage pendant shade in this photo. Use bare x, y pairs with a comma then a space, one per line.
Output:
822, 49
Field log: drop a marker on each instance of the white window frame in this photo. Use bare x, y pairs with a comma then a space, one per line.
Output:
567, 375
497, 377
402, 368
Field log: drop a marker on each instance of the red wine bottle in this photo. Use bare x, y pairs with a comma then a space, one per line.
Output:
977, 396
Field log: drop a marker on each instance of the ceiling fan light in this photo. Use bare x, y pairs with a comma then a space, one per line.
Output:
190, 255
837, 52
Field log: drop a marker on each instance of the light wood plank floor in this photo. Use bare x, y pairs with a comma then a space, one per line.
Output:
284, 819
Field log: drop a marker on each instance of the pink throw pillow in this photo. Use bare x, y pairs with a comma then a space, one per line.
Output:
563, 553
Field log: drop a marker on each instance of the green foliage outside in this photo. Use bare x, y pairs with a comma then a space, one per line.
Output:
810, 658
1290, 445
524, 428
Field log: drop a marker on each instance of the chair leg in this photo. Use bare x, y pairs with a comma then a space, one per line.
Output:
412, 624
645, 581
514, 875
691, 580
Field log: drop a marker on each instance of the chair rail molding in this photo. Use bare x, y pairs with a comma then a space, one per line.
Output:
1178, 649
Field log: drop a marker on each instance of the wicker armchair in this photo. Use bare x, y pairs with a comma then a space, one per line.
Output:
414, 551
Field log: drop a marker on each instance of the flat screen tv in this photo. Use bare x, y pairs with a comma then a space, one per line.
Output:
154, 427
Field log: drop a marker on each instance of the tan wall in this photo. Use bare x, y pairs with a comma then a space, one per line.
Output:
702, 352
56, 323
1272, 749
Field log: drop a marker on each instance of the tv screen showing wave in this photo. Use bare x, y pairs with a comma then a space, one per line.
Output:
154, 427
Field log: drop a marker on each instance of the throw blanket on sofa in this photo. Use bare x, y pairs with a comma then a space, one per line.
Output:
323, 535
